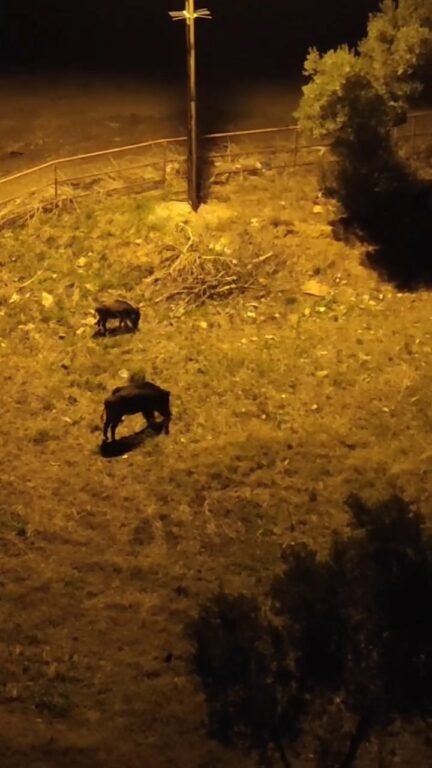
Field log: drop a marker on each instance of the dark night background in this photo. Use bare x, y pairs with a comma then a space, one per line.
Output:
81, 75
268, 37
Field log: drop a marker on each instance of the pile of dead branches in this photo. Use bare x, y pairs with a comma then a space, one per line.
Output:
195, 275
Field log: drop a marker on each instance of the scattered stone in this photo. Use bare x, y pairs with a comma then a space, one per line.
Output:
314, 288
47, 300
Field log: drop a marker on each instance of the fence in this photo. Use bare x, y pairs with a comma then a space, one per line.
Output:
162, 164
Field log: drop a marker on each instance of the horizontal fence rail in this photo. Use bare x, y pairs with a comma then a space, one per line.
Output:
162, 164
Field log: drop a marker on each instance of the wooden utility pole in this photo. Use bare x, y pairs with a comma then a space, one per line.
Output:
189, 15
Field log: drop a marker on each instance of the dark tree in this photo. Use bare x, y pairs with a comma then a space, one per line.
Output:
343, 647
357, 97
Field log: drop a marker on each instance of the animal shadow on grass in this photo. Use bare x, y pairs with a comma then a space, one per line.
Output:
121, 446
112, 332
338, 648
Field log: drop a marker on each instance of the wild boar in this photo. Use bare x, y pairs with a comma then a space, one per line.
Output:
147, 399
117, 308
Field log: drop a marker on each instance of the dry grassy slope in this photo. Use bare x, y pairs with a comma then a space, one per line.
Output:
283, 403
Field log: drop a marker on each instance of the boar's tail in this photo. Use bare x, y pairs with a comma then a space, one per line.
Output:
103, 414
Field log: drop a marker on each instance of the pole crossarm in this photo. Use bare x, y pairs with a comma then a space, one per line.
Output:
200, 13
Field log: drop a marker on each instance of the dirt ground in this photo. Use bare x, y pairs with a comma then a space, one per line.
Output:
57, 117
310, 381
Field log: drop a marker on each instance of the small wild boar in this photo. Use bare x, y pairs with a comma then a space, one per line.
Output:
147, 399
117, 308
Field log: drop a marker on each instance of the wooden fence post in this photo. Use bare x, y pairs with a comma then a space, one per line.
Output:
295, 148
55, 184
164, 164
413, 133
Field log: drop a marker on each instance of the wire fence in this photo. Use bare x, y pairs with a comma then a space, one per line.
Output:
162, 165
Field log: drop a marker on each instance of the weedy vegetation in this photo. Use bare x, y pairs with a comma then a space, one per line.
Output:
298, 376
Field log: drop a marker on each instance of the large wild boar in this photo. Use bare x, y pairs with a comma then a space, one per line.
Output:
117, 308
147, 399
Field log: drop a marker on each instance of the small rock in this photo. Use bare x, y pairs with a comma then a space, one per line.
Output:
181, 590
314, 288
47, 299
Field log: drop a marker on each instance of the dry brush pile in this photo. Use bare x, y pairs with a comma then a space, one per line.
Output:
202, 271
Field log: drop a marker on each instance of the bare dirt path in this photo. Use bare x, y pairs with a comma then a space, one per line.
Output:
43, 119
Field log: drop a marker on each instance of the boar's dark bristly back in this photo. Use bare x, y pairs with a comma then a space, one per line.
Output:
146, 398
117, 309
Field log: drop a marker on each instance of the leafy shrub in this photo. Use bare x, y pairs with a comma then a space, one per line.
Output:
358, 96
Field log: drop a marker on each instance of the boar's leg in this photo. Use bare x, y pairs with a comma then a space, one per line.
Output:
114, 425
105, 428
149, 417
166, 423
101, 324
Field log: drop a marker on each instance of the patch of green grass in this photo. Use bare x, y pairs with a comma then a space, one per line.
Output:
14, 522
278, 413
43, 435
55, 704
138, 377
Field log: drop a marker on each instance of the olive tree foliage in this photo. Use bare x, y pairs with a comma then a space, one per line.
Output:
356, 96
384, 71
397, 50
